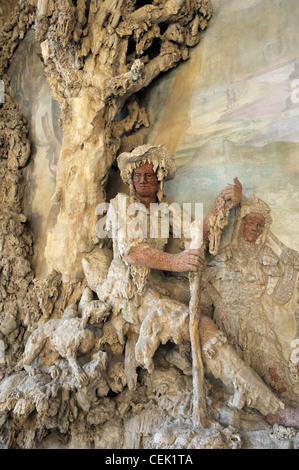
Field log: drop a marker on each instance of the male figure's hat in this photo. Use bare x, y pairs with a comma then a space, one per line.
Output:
162, 160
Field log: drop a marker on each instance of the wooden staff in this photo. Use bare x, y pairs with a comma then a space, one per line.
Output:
216, 225
199, 397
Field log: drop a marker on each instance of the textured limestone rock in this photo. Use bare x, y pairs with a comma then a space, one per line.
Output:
24, 300
67, 379
15, 238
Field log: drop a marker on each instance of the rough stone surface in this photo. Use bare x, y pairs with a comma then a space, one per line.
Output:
68, 374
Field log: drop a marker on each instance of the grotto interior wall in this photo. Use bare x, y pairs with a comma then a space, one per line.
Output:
74, 101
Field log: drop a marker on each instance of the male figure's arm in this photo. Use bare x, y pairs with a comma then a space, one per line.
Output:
187, 260
150, 257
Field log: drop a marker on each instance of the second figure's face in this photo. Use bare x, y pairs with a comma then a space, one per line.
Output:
253, 225
145, 180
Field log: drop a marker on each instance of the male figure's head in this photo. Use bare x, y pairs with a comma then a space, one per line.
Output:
152, 166
145, 181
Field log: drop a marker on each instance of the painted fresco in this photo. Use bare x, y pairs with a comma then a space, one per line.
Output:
232, 110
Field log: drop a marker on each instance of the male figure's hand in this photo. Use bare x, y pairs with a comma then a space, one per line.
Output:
189, 260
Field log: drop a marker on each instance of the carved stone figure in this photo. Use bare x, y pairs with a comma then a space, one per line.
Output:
72, 362
130, 284
146, 316
109, 365
63, 336
249, 284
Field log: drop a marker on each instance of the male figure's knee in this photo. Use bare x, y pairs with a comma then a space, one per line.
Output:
207, 329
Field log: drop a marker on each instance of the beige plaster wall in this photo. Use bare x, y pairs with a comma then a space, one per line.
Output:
31, 91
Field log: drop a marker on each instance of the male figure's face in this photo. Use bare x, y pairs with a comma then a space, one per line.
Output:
253, 225
145, 180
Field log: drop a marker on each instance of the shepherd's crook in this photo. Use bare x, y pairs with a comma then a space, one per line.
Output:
199, 397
